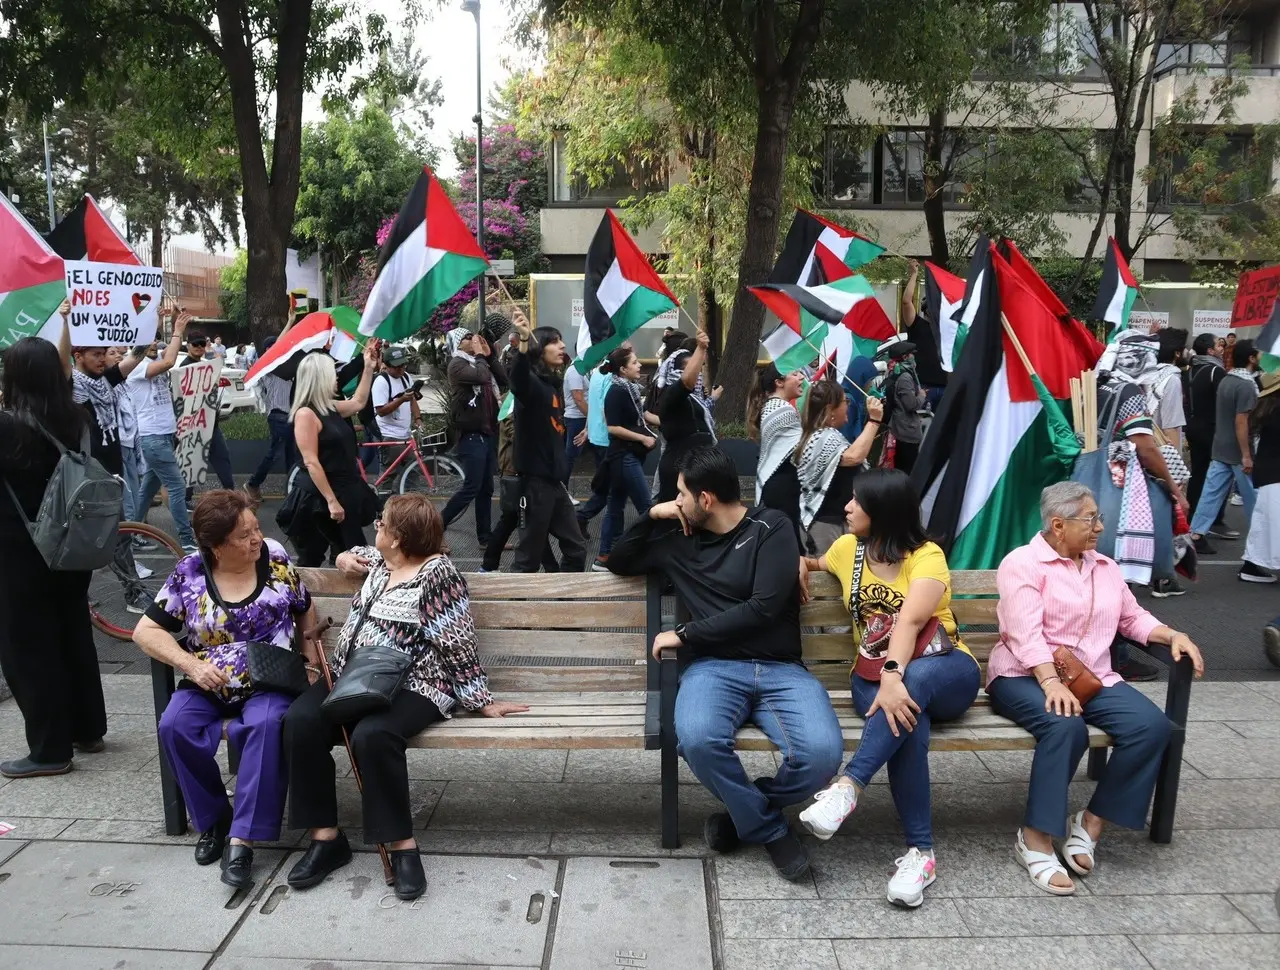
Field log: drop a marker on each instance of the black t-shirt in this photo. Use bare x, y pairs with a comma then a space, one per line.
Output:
1202, 399
924, 334
741, 588
539, 442
839, 492
1266, 460
106, 452
682, 417
620, 410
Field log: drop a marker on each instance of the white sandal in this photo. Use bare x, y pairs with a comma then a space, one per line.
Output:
1078, 843
1041, 867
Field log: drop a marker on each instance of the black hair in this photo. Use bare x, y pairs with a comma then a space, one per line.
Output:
892, 505
670, 344
1242, 351
764, 387
1204, 343
710, 469
616, 360
540, 337
689, 344
35, 383
1172, 342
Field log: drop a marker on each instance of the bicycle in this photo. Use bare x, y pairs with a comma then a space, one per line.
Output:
414, 476
120, 591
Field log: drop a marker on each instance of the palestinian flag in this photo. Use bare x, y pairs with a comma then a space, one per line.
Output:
1000, 435
32, 279
86, 233
799, 252
1268, 340
943, 297
429, 256
1083, 343
323, 330
620, 293
809, 313
1117, 292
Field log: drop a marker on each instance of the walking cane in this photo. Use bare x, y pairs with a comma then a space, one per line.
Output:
316, 634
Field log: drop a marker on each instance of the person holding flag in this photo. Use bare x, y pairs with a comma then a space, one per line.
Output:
476, 379
904, 396
773, 420
684, 410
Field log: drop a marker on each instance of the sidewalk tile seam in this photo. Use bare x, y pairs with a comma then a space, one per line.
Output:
1262, 930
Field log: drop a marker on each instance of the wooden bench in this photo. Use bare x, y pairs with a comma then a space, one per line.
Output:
829, 656
577, 651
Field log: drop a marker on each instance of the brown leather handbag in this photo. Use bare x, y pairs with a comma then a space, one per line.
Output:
1079, 679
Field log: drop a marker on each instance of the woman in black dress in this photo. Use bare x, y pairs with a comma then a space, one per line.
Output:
684, 411
46, 643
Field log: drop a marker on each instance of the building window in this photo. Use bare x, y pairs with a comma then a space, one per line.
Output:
626, 180
1214, 55
1065, 48
850, 168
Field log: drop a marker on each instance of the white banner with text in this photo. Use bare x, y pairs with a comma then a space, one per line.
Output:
113, 304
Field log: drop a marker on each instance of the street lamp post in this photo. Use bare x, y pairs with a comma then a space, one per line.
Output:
48, 169
473, 7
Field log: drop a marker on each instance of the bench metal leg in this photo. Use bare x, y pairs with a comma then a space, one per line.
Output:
1097, 763
670, 674
175, 809
1177, 705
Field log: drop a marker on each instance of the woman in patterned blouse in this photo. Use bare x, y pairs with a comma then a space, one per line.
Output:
415, 600
265, 602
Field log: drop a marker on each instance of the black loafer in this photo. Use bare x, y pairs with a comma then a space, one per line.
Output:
26, 768
320, 859
788, 856
406, 867
237, 866
89, 747
719, 832
210, 845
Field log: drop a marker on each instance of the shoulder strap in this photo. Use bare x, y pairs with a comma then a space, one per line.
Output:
210, 586
855, 585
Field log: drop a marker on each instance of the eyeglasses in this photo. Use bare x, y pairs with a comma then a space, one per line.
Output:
1094, 520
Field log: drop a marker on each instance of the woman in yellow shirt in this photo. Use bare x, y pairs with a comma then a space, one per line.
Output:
911, 668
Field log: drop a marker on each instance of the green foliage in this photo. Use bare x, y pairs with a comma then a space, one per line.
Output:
245, 426
1061, 274
732, 429
233, 286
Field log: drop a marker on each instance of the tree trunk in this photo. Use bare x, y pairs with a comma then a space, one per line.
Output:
709, 315
157, 240
935, 179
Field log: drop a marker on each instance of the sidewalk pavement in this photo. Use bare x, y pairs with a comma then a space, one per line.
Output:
526, 850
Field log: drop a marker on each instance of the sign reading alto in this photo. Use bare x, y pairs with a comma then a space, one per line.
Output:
112, 304
195, 396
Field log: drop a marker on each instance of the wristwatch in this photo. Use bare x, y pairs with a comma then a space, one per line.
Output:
680, 632
891, 667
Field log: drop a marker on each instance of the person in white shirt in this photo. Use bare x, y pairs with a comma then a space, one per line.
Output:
575, 418
1164, 393
218, 349
394, 402
152, 396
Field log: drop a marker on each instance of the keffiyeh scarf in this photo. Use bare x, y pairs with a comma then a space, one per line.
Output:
672, 370
817, 466
780, 434
96, 392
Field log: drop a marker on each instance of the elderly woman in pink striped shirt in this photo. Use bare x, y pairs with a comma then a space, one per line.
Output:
1059, 591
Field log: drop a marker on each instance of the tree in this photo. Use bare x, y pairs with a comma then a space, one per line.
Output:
398, 84
233, 297
356, 169
260, 56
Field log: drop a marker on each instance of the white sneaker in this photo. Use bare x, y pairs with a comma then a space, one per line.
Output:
830, 808
1236, 500
574, 501
914, 874
143, 572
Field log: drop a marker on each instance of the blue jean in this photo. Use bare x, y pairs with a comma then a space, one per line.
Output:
572, 428
132, 482
944, 687
783, 700
371, 454
281, 441
478, 456
162, 469
627, 481
593, 506
1216, 485
1139, 731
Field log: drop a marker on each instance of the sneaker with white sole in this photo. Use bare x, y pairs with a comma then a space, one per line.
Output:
1251, 572
138, 602
915, 873
830, 808
144, 572
1236, 499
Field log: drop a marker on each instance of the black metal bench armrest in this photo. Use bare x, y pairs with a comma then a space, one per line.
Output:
1178, 696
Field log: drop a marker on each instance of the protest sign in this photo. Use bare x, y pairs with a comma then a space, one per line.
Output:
1255, 295
1148, 321
195, 395
112, 304
1211, 321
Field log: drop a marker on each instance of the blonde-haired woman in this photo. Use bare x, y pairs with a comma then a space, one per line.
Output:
327, 446
827, 462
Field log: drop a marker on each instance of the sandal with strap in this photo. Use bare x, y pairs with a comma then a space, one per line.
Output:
1078, 843
1041, 867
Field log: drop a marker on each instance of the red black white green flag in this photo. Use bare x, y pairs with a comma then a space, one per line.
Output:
799, 261
86, 233
1117, 291
32, 279
943, 296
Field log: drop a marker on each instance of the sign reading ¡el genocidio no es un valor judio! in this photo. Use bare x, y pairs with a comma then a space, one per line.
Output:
112, 304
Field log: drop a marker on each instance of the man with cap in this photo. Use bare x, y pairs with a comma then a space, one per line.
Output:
476, 377
903, 397
274, 397
393, 406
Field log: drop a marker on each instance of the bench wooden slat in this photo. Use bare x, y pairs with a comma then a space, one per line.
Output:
449, 736
505, 679
557, 615
499, 586
563, 643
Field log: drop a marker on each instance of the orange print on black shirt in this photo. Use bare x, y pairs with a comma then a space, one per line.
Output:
556, 423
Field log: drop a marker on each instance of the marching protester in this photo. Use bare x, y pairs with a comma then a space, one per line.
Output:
734, 568
1231, 455
630, 442
151, 391
238, 594
334, 500
773, 420
476, 381
509, 517
1203, 377
576, 408
1262, 548
684, 409
219, 455
539, 450
911, 671
128, 418
47, 653
903, 396
827, 462
598, 387
394, 406
413, 602
1164, 392
274, 398
1063, 601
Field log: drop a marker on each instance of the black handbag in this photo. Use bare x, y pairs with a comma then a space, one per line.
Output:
510, 488
370, 679
269, 667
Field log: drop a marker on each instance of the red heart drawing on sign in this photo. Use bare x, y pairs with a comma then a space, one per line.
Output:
141, 301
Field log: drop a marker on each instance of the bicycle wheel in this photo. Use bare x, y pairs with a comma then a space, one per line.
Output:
446, 476
122, 590
292, 479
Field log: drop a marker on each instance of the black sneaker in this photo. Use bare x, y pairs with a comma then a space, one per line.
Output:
1164, 588
26, 768
1203, 548
1253, 573
788, 856
1220, 530
719, 832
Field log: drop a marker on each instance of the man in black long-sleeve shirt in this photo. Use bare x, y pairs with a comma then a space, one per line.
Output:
539, 450
736, 571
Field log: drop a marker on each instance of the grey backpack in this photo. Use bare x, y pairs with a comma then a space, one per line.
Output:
79, 518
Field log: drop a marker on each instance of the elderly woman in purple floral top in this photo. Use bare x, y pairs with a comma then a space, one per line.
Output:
415, 600
265, 601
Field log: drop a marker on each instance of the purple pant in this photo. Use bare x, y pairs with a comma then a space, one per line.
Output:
190, 730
